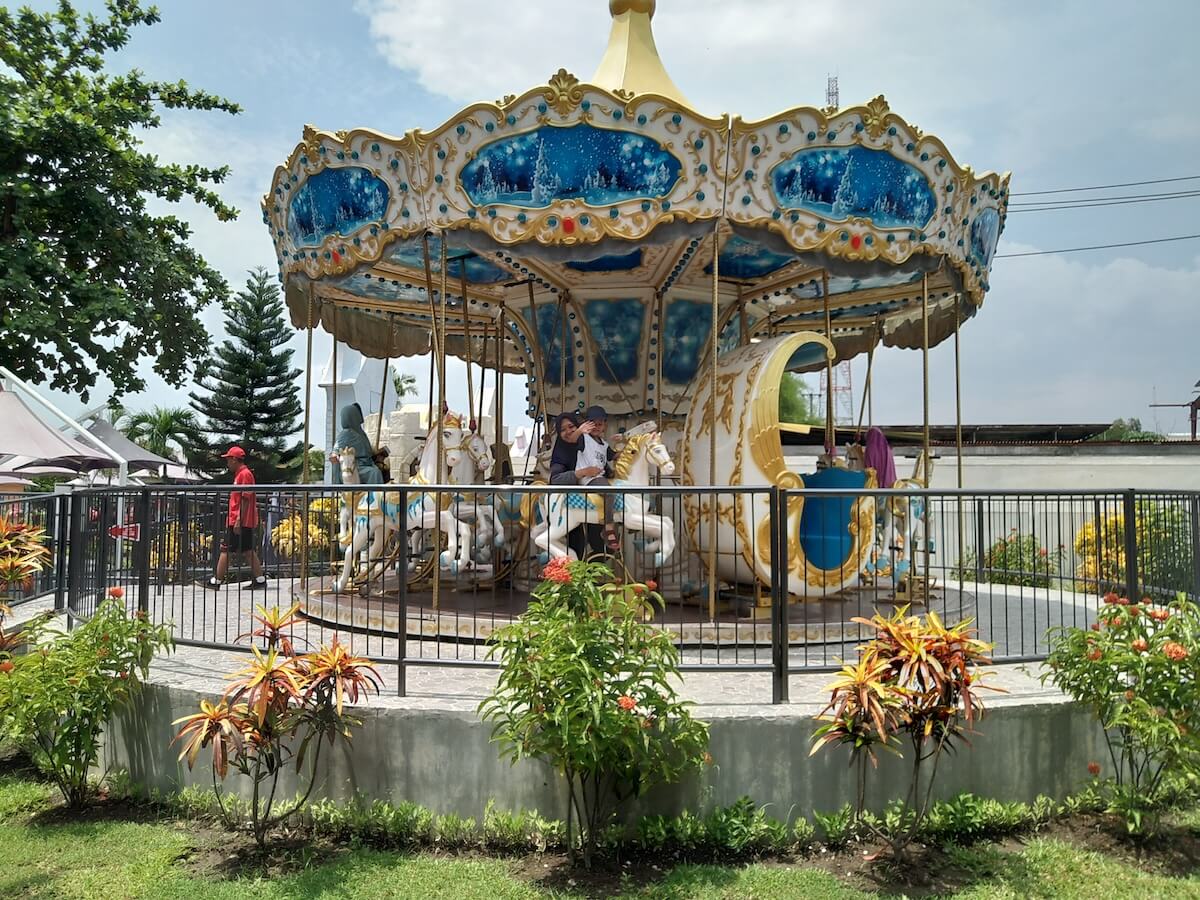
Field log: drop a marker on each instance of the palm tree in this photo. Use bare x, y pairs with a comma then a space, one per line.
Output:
158, 428
403, 384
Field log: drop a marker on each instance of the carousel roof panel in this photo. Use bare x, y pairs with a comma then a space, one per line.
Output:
603, 204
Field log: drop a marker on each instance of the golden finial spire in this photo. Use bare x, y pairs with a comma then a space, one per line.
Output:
631, 62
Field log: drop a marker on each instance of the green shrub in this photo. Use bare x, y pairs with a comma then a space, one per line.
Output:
587, 684
1138, 670
56, 699
453, 830
803, 833
504, 832
1017, 559
837, 828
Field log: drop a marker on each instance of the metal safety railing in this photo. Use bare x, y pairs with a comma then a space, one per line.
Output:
794, 569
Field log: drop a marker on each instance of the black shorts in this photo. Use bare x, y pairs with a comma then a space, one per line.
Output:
238, 540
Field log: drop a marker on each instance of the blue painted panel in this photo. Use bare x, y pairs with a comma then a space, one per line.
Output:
842, 284
616, 327
549, 337
684, 336
825, 521
335, 201
741, 258
411, 255
614, 262
840, 182
985, 233
596, 165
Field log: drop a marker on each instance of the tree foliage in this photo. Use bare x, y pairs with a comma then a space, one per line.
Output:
794, 405
250, 393
91, 282
165, 431
1127, 431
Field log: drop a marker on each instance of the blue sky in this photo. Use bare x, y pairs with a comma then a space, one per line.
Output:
1063, 94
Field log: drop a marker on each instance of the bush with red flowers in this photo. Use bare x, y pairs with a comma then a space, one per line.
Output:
1138, 669
587, 685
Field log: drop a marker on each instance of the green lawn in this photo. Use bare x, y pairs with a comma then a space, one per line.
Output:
117, 859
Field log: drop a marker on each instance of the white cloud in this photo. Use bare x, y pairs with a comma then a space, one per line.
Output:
1058, 340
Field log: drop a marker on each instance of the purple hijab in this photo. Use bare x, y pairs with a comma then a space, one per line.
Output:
878, 456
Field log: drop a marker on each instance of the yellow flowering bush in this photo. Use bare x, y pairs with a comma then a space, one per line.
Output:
1163, 540
289, 536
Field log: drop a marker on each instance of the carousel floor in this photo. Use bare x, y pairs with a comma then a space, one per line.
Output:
465, 615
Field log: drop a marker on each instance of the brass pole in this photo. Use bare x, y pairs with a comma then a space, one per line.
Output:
958, 434
830, 436
483, 353
308, 385
658, 400
958, 440
441, 410
387, 365
562, 354
499, 386
925, 442
307, 421
865, 406
712, 425
333, 421
435, 423
537, 340
467, 338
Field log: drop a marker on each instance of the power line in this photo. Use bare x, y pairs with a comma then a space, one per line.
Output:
1097, 203
1104, 187
1084, 200
1182, 237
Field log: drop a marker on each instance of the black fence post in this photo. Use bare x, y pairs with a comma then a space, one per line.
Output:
979, 539
62, 541
141, 551
75, 555
779, 596
1131, 548
402, 599
1195, 545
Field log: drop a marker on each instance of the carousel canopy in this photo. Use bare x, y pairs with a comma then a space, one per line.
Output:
591, 213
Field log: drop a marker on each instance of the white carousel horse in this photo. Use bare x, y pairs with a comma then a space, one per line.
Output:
348, 463
643, 448
377, 512
475, 510
901, 522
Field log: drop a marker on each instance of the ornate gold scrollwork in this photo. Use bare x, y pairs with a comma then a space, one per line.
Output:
564, 92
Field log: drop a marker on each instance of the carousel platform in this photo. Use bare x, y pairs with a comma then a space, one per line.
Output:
463, 615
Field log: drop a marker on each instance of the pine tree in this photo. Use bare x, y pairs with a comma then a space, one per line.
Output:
251, 394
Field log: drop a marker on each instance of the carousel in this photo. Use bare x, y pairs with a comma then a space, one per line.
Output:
618, 248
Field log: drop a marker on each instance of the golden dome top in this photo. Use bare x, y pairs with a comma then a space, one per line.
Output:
631, 62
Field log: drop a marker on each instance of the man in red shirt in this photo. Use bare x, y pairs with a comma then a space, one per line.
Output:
239, 523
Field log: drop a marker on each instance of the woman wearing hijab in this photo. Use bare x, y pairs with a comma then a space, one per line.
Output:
878, 456
352, 435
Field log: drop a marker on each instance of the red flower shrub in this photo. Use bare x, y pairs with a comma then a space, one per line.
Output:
626, 702
1095, 626
652, 585
557, 570
1122, 601
1140, 645
1094, 654
116, 592
1159, 615
1110, 598
1174, 651
1093, 769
